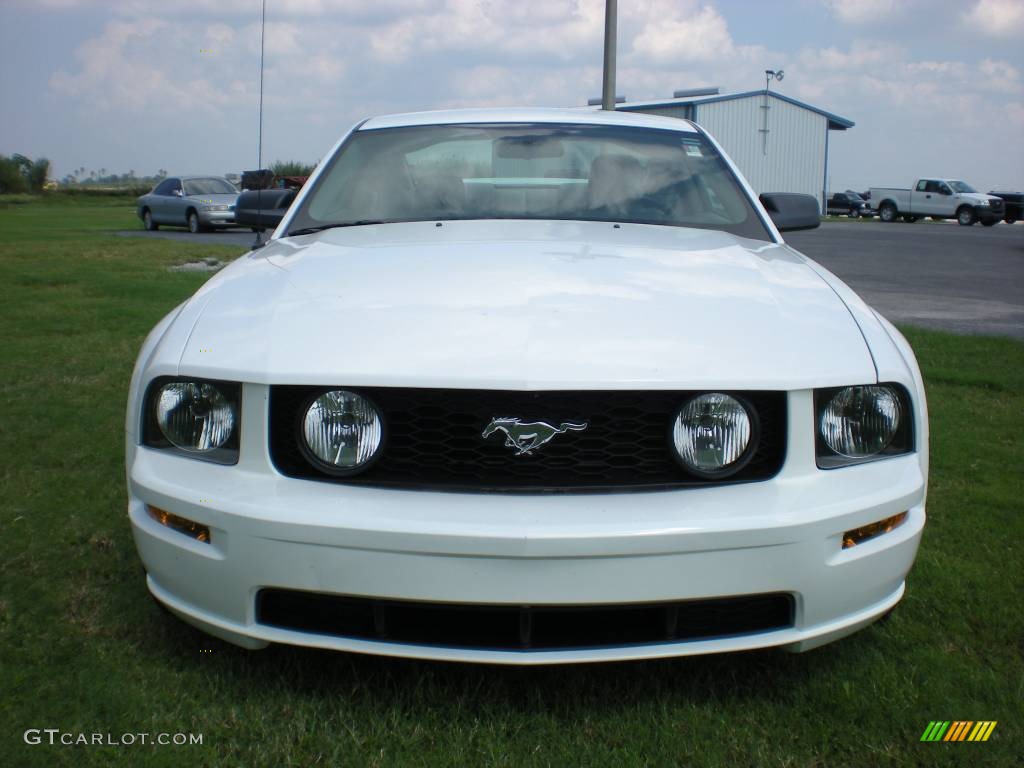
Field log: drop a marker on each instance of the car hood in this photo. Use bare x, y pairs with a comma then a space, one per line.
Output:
524, 305
221, 199
977, 197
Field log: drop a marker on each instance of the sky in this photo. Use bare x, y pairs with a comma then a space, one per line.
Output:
935, 87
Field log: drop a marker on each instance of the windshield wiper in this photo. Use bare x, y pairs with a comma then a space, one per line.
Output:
336, 225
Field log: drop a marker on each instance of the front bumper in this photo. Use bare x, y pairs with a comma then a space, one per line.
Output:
986, 213
782, 535
217, 218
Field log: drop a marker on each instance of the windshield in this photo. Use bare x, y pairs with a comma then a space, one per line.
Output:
211, 186
961, 186
529, 171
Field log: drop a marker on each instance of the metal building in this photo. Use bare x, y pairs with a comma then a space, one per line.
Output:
780, 144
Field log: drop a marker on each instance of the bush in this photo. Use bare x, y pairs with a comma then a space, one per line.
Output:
95, 191
37, 172
12, 180
291, 168
20, 174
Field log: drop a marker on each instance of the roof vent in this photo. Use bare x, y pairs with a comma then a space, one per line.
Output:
713, 90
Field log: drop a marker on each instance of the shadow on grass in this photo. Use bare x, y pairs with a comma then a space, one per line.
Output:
561, 690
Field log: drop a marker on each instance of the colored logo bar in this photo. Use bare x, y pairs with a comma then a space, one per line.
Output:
958, 730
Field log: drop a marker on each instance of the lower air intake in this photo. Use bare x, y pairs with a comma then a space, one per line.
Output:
505, 627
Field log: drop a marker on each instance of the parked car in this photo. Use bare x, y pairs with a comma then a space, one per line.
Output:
939, 199
1014, 204
196, 202
528, 386
847, 203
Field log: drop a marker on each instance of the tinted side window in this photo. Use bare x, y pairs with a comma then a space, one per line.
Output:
164, 187
932, 186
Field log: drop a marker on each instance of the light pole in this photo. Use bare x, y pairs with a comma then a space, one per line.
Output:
610, 34
768, 75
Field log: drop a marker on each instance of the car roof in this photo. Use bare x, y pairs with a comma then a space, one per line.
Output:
579, 115
198, 176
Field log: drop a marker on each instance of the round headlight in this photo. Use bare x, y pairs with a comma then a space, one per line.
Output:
342, 431
711, 434
194, 416
860, 421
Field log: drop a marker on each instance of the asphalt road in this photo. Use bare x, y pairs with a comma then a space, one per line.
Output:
933, 274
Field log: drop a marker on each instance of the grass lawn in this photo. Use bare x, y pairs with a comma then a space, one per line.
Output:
84, 649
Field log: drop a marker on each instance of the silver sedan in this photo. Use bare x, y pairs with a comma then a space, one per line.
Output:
196, 202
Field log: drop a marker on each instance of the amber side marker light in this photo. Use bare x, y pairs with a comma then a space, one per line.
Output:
183, 525
871, 530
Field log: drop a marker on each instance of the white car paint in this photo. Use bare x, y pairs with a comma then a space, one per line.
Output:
527, 305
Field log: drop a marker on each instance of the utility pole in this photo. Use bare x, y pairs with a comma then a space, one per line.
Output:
610, 35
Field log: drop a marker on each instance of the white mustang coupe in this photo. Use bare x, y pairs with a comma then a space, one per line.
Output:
528, 386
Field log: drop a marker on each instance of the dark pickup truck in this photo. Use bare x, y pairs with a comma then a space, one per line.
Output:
1014, 203
263, 208
849, 204
266, 198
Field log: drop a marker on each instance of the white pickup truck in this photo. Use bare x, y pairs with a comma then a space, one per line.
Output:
940, 199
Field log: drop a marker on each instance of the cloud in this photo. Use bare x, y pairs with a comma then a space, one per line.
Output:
339, 9
863, 11
162, 67
997, 18
331, 62
528, 28
698, 36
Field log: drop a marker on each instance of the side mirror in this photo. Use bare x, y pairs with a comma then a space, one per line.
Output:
790, 211
178, 193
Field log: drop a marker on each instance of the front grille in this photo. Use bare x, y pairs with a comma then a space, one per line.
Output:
513, 627
433, 440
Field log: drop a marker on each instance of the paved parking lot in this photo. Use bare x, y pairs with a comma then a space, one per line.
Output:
937, 275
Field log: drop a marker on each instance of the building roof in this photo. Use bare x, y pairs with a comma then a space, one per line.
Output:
835, 122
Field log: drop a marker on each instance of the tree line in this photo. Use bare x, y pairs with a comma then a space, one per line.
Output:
21, 174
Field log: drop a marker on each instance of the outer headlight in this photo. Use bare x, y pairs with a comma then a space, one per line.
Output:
194, 416
859, 423
713, 434
341, 432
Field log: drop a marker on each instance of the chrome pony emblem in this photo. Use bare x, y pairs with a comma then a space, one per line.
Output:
524, 437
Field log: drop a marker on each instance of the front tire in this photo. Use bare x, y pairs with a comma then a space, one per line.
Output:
965, 216
887, 212
147, 221
193, 223
1010, 219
